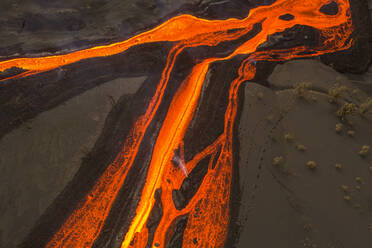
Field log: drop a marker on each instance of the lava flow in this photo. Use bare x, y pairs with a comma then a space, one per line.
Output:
208, 210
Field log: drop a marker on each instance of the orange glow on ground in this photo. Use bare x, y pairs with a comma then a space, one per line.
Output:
209, 209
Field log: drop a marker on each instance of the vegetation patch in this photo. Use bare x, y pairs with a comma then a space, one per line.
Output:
338, 166
346, 109
338, 127
366, 107
302, 90
311, 165
364, 150
301, 148
336, 92
278, 160
351, 133
345, 188
288, 137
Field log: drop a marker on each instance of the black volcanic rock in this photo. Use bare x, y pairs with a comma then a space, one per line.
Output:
359, 56
53, 26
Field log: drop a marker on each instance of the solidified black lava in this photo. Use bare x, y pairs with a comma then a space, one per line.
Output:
11, 72
330, 9
358, 58
37, 22
298, 35
286, 17
208, 122
191, 184
154, 217
179, 226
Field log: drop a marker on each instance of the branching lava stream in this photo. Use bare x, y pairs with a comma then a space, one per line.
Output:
208, 210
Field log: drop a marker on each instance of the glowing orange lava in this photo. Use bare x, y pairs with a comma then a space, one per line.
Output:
209, 209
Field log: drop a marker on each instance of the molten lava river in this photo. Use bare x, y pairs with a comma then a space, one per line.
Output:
208, 211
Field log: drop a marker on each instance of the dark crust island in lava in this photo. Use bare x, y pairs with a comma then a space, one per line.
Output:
44, 91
